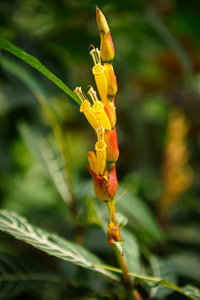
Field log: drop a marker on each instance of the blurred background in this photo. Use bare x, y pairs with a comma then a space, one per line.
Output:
157, 64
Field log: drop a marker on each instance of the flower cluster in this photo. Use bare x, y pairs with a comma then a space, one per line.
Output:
101, 115
177, 174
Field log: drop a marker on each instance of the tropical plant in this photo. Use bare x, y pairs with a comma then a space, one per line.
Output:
75, 232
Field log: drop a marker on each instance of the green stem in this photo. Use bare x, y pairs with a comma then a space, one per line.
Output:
119, 256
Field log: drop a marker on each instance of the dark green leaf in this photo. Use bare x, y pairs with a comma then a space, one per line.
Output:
35, 63
17, 276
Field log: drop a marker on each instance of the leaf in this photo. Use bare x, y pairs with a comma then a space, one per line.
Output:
43, 98
121, 220
50, 243
131, 251
192, 292
36, 64
161, 269
135, 207
186, 264
51, 163
17, 276
189, 291
119, 246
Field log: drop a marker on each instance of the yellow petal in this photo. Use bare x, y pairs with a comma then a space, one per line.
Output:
92, 159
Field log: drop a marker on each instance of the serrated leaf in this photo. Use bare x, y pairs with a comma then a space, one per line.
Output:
36, 64
17, 276
50, 243
121, 220
132, 206
49, 160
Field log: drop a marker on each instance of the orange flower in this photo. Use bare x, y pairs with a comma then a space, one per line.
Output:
112, 151
105, 185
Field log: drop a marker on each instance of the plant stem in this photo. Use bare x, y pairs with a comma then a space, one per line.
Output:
122, 264
117, 238
111, 208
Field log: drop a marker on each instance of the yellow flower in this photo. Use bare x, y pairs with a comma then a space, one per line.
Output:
99, 74
98, 110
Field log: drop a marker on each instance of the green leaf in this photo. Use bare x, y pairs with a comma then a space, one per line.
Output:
23, 74
186, 264
188, 291
134, 207
159, 268
131, 251
192, 292
50, 243
17, 276
119, 246
121, 220
36, 64
52, 165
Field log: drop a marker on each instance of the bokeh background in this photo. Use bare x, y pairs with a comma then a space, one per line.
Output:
157, 64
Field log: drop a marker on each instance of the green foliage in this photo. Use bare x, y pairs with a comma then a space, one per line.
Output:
18, 275
51, 243
56, 246
134, 207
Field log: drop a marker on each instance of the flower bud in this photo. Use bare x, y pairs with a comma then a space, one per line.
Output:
112, 150
109, 108
106, 47
111, 79
101, 21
